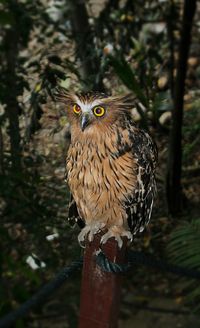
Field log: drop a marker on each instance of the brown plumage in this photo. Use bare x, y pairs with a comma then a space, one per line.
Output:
110, 166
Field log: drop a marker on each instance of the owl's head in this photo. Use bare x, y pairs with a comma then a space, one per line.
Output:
93, 109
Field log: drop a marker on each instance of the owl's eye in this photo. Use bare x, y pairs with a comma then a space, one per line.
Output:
76, 109
99, 111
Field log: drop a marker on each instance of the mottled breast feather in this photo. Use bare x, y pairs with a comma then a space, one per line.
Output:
110, 172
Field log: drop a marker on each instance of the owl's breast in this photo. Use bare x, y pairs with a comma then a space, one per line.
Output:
84, 170
98, 181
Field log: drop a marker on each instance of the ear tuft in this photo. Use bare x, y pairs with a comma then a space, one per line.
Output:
62, 95
125, 102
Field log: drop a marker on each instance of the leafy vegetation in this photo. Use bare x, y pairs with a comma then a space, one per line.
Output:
183, 249
112, 46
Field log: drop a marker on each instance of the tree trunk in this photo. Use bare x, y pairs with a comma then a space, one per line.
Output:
175, 149
1, 152
90, 63
12, 106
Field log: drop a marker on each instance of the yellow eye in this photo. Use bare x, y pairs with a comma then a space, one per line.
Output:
98, 111
76, 109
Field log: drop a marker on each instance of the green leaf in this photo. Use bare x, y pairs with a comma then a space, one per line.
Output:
125, 73
184, 250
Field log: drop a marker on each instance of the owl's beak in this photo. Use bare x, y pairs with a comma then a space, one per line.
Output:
85, 120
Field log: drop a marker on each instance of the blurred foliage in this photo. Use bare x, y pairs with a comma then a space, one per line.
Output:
183, 249
191, 135
132, 43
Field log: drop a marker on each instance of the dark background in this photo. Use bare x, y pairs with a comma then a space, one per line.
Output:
150, 48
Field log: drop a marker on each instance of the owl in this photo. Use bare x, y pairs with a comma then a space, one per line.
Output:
110, 166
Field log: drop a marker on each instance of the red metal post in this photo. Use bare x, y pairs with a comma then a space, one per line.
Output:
100, 291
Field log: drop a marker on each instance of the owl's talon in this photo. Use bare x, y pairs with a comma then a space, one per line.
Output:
117, 233
119, 241
82, 244
91, 235
89, 231
82, 234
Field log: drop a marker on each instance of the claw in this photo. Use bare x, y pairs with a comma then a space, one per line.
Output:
117, 233
109, 235
83, 233
90, 230
128, 234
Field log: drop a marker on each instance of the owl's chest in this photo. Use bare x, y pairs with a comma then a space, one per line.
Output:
93, 171
84, 169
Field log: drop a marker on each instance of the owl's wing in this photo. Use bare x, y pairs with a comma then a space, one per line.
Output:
73, 215
139, 206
